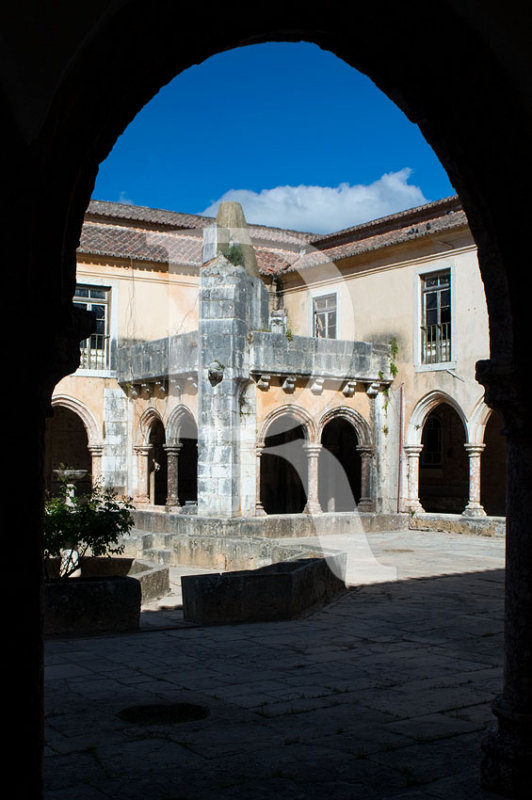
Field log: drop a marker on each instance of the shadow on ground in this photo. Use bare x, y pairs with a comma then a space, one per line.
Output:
383, 694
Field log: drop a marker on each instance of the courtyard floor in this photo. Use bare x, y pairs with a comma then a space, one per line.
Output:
385, 693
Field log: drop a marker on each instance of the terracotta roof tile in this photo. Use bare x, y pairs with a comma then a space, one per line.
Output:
133, 232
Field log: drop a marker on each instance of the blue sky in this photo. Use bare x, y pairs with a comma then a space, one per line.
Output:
300, 138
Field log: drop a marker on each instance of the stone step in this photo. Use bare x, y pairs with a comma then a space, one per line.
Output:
159, 555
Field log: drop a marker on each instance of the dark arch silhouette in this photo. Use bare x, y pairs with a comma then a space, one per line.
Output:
339, 467
66, 443
157, 464
283, 469
461, 71
443, 465
493, 470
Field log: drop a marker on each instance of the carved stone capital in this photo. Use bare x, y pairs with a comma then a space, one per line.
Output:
506, 391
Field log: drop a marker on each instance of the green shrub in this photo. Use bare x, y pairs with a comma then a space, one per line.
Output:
91, 524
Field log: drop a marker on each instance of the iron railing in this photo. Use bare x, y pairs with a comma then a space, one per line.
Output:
436, 343
95, 352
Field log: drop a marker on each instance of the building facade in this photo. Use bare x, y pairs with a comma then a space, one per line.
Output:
246, 371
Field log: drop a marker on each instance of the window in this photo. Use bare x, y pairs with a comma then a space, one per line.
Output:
95, 349
436, 318
324, 316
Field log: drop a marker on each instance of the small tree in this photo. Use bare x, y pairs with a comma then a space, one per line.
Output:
90, 525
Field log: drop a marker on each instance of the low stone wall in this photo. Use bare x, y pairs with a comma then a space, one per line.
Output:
279, 591
274, 526
84, 606
456, 523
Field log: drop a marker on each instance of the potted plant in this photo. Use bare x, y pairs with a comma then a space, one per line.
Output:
81, 534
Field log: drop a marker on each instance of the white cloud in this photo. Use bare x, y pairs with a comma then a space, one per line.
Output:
124, 199
323, 209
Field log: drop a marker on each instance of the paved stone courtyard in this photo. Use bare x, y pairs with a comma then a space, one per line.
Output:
383, 694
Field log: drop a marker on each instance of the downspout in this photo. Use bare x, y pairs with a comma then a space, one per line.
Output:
400, 460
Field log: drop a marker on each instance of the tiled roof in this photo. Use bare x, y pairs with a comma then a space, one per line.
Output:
133, 232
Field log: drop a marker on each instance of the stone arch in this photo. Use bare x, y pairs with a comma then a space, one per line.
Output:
148, 418
85, 414
424, 408
283, 486
478, 421
152, 466
356, 419
178, 417
71, 437
443, 463
298, 414
182, 453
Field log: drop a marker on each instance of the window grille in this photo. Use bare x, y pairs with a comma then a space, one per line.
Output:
95, 349
436, 314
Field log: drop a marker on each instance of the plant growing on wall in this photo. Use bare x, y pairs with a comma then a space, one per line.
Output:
91, 524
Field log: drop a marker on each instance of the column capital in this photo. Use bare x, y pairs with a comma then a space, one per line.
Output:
95, 450
473, 449
364, 449
142, 449
312, 449
413, 450
173, 449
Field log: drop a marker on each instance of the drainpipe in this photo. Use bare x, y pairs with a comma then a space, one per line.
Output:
400, 461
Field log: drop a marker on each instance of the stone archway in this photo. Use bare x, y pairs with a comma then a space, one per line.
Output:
182, 453
340, 467
66, 443
283, 466
443, 464
157, 464
88, 78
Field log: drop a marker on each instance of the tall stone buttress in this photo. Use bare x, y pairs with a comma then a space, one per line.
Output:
233, 303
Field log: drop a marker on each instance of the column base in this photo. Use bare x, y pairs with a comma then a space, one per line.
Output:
365, 504
507, 753
259, 510
413, 507
313, 508
473, 510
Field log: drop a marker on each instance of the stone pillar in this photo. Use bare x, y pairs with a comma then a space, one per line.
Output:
96, 451
507, 750
474, 507
259, 508
233, 302
413, 451
143, 452
365, 503
313, 453
172, 472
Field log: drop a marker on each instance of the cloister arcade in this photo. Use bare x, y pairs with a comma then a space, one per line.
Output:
455, 465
